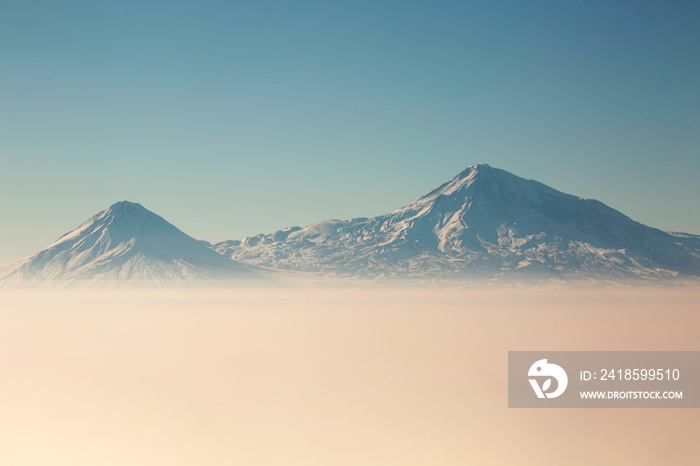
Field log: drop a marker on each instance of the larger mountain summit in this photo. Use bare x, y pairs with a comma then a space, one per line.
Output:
483, 223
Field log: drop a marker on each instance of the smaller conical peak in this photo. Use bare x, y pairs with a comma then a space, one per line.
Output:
126, 220
126, 205
125, 212
478, 170
128, 209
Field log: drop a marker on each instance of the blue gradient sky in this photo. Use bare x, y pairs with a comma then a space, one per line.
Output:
237, 118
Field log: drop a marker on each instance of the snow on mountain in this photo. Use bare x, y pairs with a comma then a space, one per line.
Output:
125, 242
485, 222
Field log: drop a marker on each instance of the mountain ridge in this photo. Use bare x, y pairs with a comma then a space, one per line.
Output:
484, 222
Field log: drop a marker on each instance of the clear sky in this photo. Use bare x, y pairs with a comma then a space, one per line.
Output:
236, 118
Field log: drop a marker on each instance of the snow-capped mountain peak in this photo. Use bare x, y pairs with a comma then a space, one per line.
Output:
125, 242
485, 222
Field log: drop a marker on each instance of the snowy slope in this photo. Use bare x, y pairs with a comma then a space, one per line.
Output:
484, 222
125, 242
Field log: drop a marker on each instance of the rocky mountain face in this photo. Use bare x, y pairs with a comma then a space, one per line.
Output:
483, 223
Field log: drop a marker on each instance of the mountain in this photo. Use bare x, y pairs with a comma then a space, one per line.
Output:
126, 242
483, 223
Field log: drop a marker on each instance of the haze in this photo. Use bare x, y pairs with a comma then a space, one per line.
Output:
321, 376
